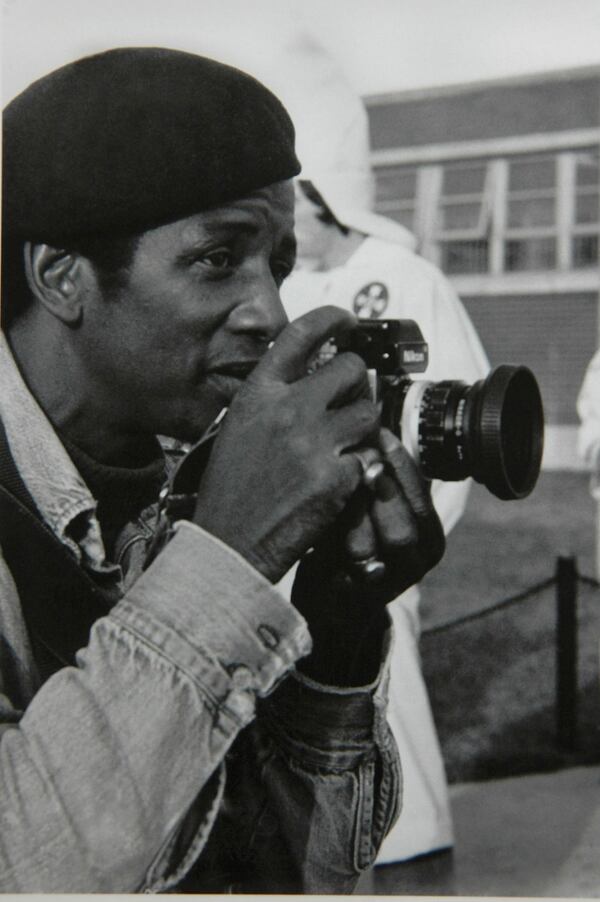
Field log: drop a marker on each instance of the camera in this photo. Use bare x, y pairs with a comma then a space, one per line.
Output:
492, 430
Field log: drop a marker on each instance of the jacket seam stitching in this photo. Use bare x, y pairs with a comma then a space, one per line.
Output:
214, 704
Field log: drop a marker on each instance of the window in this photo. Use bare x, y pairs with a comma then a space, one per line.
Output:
586, 225
528, 212
464, 256
462, 221
396, 192
530, 236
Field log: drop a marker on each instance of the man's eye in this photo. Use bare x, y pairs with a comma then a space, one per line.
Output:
281, 270
220, 259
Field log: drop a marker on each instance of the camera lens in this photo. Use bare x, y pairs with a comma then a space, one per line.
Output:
492, 430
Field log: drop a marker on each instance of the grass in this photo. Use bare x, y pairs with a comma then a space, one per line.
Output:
492, 681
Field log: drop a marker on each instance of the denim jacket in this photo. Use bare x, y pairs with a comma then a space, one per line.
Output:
182, 751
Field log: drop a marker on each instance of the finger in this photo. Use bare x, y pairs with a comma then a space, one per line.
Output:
431, 539
416, 491
288, 358
344, 378
371, 464
361, 540
414, 487
353, 425
393, 519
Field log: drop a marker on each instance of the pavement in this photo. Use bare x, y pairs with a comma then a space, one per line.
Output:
531, 836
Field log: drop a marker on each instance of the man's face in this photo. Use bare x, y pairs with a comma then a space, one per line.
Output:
199, 306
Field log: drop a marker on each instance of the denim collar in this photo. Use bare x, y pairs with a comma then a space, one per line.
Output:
48, 472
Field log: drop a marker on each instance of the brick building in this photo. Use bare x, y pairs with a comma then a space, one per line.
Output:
500, 182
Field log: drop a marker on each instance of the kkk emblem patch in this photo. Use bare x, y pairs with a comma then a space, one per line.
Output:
371, 301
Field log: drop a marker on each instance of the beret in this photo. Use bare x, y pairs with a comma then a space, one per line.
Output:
132, 138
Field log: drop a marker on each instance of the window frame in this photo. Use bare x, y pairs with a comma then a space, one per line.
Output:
494, 199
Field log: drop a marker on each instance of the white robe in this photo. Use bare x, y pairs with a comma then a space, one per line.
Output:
383, 279
588, 438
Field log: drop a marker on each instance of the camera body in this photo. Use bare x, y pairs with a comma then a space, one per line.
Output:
390, 347
492, 430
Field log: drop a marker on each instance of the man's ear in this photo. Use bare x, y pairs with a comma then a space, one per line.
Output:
56, 279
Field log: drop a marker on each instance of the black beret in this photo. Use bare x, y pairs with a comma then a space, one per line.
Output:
133, 138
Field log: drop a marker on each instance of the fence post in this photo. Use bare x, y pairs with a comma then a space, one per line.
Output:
566, 653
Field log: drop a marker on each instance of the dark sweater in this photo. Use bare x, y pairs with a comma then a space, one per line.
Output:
121, 492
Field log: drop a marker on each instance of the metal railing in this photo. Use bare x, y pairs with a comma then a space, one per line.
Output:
566, 579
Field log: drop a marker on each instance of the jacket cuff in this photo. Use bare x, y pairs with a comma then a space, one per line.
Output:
332, 727
216, 617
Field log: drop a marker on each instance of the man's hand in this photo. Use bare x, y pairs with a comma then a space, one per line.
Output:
396, 523
278, 474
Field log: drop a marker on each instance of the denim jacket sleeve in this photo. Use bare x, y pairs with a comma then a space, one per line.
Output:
181, 692
327, 795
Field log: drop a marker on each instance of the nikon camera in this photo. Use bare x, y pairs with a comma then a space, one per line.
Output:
492, 430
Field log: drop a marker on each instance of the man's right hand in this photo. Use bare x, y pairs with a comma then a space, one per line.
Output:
278, 474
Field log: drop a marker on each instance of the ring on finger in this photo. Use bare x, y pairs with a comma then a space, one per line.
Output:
370, 569
372, 466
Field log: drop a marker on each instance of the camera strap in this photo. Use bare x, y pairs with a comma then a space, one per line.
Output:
177, 500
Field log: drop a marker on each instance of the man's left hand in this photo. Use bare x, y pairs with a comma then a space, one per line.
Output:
393, 522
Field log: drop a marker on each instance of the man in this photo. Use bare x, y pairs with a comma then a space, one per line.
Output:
157, 733
588, 436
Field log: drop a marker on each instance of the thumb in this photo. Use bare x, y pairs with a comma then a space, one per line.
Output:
289, 356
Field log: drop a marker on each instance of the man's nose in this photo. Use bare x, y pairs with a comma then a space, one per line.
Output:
261, 311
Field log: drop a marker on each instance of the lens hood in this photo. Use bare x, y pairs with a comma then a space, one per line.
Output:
509, 431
